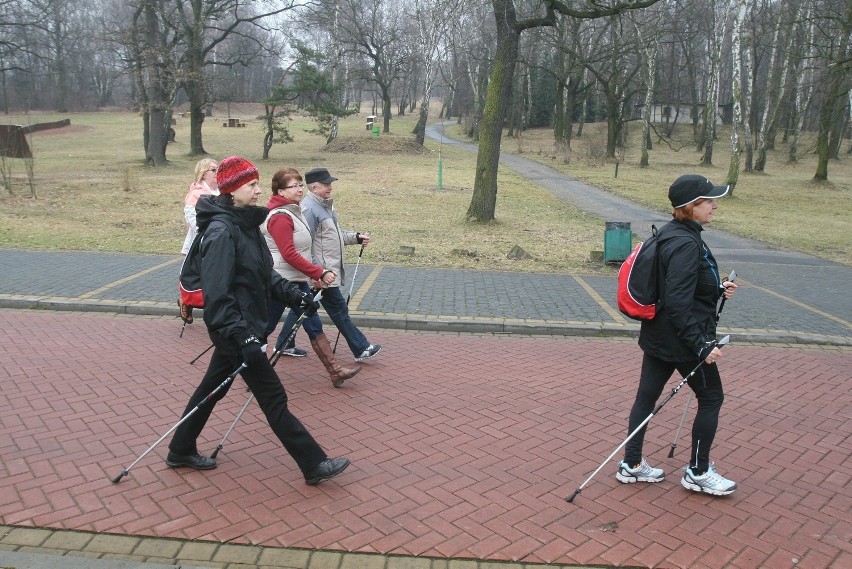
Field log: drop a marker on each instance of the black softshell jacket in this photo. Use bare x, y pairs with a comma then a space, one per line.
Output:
236, 271
690, 289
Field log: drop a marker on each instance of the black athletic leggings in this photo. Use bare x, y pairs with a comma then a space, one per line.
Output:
707, 386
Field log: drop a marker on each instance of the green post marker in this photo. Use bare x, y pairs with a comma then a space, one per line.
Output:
440, 174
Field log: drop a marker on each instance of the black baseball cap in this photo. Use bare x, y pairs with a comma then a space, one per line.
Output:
691, 187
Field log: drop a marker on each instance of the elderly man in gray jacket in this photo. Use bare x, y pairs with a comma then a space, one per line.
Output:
327, 251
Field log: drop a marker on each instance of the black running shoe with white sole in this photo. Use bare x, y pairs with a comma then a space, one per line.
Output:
371, 352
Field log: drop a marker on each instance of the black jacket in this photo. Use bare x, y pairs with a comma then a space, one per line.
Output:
690, 288
236, 271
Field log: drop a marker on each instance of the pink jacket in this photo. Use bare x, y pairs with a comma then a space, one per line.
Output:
196, 190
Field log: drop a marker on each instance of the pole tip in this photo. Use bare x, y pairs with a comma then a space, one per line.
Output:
119, 477
570, 499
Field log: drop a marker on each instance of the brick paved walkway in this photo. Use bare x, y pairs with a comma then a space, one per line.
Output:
462, 447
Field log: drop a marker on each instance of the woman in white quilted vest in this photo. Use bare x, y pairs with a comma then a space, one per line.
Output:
289, 241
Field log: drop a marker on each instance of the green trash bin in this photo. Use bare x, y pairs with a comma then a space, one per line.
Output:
618, 241
376, 130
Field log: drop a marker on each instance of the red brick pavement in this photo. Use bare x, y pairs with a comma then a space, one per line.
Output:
461, 446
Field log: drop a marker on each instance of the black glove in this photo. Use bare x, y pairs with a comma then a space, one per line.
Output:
253, 355
292, 295
309, 304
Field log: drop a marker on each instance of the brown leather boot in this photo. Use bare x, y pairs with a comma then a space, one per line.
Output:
336, 372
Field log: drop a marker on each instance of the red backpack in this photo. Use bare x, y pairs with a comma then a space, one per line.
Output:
189, 282
638, 290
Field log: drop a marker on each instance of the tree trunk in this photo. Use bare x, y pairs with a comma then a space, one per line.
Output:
483, 203
335, 73
775, 93
830, 121
269, 135
155, 152
746, 97
736, 89
61, 68
713, 90
650, 69
196, 116
613, 111
804, 89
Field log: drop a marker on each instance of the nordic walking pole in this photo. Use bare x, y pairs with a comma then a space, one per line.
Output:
348, 296
679, 427
273, 359
195, 359
231, 428
730, 278
221, 386
656, 410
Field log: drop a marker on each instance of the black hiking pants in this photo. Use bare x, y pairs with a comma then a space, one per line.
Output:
269, 392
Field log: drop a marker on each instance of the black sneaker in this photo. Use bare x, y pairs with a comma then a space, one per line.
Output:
294, 352
329, 468
196, 461
371, 351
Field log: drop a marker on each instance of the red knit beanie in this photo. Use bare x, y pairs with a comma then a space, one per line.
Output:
233, 173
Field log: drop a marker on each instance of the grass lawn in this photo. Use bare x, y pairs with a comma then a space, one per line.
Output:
94, 192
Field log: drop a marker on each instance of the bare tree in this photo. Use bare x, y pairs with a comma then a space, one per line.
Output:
202, 26
615, 69
161, 83
718, 29
567, 42
509, 30
777, 84
835, 37
804, 80
13, 46
432, 17
371, 29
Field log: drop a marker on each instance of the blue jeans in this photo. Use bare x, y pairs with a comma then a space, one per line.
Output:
312, 324
335, 306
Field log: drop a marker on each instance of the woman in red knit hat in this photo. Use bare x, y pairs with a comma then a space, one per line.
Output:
237, 278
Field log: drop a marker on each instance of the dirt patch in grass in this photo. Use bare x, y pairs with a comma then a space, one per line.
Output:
380, 145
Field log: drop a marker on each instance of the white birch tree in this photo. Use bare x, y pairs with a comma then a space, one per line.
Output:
777, 85
718, 29
648, 49
736, 89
